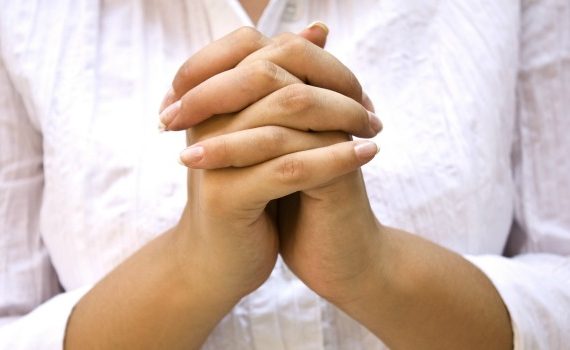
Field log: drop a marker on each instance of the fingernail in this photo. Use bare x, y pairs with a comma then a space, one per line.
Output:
320, 25
375, 123
192, 155
365, 150
161, 126
168, 99
168, 115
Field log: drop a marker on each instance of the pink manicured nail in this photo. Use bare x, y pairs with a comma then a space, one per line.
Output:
168, 99
375, 123
365, 150
319, 24
192, 155
168, 115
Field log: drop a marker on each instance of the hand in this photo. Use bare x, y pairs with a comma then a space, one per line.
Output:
246, 58
388, 280
224, 246
324, 259
218, 197
227, 221
326, 244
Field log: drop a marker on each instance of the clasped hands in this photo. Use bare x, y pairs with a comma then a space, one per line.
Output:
273, 170
272, 166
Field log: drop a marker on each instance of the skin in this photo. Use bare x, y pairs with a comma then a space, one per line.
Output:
172, 293
254, 8
410, 292
246, 207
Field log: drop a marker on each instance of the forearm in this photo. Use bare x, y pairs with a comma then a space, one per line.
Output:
147, 302
418, 295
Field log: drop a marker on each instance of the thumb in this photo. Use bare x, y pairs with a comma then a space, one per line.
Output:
316, 33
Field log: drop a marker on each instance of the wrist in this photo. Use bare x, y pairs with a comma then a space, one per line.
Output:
414, 280
367, 276
144, 296
200, 279
386, 267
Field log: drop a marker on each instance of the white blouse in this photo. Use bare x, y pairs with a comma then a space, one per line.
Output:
474, 96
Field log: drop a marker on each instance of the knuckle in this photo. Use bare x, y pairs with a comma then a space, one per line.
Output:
285, 37
186, 69
224, 150
291, 171
276, 136
273, 141
334, 156
180, 82
353, 86
291, 44
263, 71
297, 98
248, 34
266, 143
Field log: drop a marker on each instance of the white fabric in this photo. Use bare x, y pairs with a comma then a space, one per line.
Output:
475, 101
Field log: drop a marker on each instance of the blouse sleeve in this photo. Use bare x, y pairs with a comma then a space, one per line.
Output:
31, 315
535, 281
